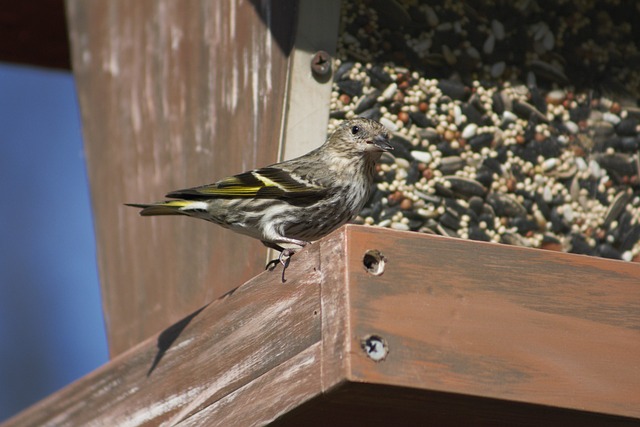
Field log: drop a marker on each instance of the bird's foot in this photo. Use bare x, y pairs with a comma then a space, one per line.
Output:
284, 258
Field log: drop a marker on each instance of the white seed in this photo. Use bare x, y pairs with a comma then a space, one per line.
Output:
401, 174
547, 194
549, 164
581, 164
388, 93
384, 223
388, 124
402, 163
422, 156
568, 213
459, 118
611, 118
508, 115
596, 170
469, 131
400, 226
572, 127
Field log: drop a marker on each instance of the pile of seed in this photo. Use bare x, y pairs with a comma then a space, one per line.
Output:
512, 122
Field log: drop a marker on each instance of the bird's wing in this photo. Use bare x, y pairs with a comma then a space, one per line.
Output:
265, 183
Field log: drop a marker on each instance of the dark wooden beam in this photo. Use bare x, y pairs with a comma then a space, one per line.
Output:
474, 334
34, 33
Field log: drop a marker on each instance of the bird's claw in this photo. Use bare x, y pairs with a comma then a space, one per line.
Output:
284, 258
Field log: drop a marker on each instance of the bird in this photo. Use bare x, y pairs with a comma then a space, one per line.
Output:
288, 205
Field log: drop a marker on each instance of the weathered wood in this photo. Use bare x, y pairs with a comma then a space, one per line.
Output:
477, 334
229, 343
173, 95
498, 321
287, 386
337, 335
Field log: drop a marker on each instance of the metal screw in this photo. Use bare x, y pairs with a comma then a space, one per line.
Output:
321, 63
375, 347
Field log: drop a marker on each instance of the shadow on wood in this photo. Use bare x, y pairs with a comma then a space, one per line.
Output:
169, 336
469, 333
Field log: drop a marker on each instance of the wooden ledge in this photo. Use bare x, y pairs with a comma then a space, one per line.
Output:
467, 333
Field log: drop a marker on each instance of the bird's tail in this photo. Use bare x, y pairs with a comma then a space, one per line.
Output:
169, 207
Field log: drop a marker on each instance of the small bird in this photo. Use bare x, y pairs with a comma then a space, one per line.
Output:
289, 204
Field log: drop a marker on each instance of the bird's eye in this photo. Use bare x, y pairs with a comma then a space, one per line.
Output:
355, 129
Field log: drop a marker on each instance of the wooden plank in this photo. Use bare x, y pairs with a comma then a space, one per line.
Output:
173, 95
336, 333
500, 322
268, 397
225, 346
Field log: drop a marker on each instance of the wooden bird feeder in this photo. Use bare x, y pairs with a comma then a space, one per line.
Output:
378, 327
372, 327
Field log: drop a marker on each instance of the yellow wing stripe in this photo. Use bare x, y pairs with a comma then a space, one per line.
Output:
230, 191
176, 203
266, 181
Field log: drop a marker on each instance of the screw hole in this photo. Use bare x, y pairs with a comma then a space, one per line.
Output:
374, 262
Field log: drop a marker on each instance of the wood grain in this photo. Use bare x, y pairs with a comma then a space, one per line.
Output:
231, 342
478, 334
268, 397
336, 334
496, 321
173, 95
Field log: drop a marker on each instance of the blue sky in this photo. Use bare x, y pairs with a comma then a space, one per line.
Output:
51, 323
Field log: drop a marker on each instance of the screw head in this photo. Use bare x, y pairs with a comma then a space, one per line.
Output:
321, 63
375, 346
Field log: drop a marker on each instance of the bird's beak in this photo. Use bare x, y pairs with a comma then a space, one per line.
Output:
381, 142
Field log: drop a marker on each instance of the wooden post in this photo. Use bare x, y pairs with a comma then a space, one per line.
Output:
173, 95
469, 333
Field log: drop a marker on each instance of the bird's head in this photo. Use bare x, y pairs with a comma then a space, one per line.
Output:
360, 136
